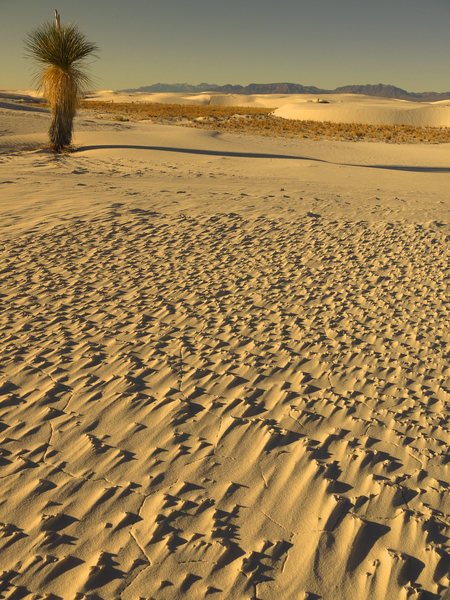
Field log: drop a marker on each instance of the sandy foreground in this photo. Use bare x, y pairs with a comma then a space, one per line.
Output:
224, 366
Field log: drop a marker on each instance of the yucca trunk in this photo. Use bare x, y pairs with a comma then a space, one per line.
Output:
62, 95
61, 128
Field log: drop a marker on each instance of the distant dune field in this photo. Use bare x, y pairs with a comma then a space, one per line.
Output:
342, 109
336, 108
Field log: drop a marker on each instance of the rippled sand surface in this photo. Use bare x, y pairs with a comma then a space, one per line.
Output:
224, 373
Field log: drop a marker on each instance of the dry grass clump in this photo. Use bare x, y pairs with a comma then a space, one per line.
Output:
143, 110
259, 121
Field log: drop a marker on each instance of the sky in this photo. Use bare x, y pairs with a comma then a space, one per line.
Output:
326, 43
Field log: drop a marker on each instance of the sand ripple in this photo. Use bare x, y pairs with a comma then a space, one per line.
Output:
226, 407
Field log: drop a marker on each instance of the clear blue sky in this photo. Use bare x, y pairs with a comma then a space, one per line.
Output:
315, 42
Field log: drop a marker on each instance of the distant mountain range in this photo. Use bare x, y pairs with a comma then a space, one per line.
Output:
381, 90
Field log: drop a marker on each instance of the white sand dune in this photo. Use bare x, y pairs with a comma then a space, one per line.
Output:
20, 101
370, 111
204, 98
223, 366
21, 95
337, 108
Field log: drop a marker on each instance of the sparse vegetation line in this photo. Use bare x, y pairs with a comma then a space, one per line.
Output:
260, 121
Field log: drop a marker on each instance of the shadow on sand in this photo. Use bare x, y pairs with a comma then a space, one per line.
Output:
22, 107
225, 153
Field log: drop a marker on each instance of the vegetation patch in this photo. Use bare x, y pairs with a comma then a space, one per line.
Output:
260, 121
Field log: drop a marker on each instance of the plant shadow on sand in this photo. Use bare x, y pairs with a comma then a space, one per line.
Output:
224, 153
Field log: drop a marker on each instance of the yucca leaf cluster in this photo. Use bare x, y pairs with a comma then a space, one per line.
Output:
61, 51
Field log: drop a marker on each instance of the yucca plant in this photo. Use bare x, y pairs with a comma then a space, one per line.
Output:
60, 51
